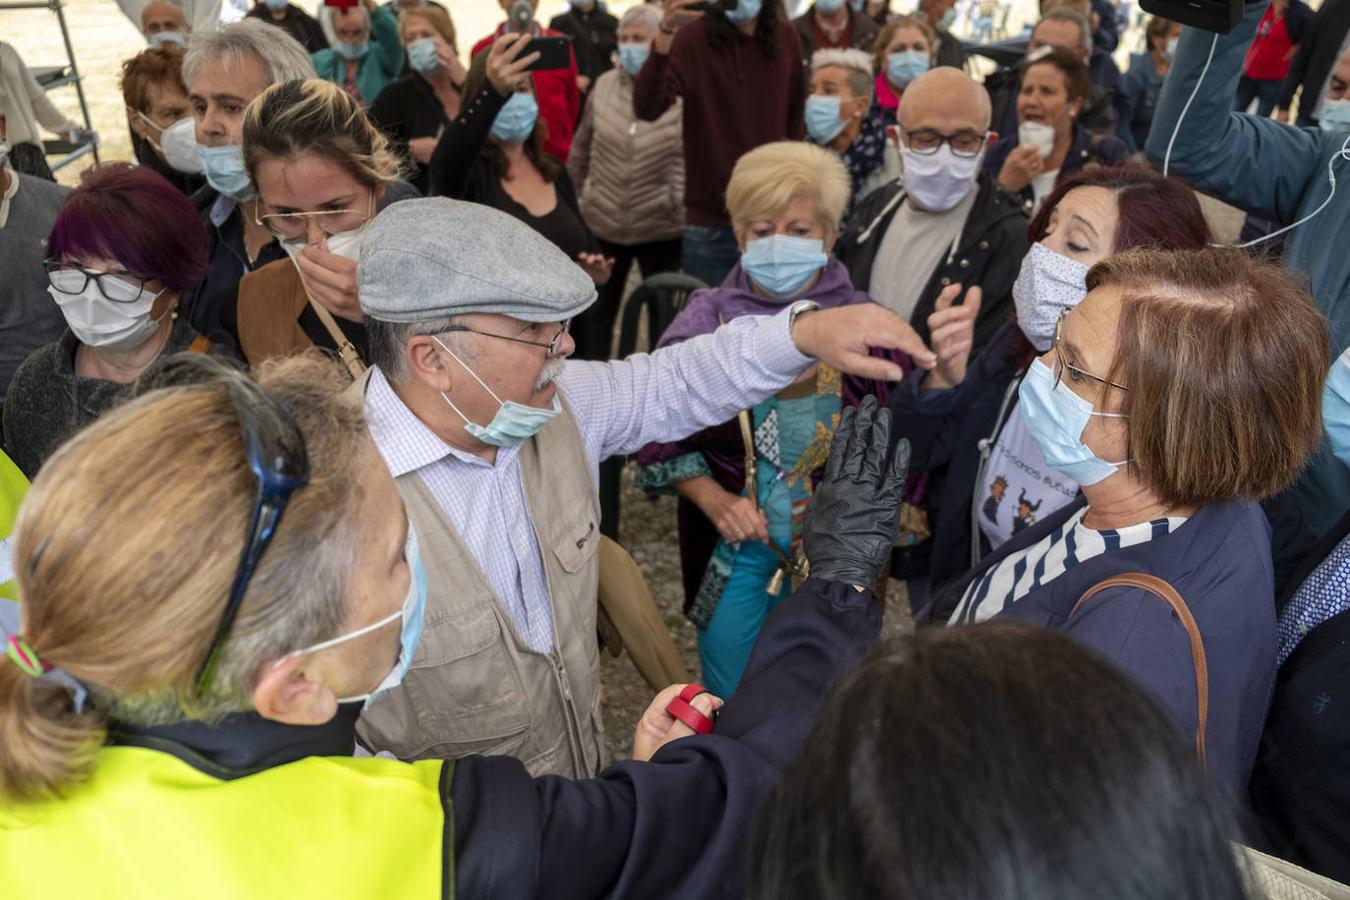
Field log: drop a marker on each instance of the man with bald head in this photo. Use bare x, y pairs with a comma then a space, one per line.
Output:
163, 21
944, 234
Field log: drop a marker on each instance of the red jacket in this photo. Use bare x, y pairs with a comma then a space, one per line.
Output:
554, 89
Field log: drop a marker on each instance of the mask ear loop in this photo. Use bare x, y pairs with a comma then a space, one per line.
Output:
472, 374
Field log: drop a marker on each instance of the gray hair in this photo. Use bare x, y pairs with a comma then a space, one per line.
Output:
283, 57
857, 66
387, 340
325, 18
1064, 14
643, 14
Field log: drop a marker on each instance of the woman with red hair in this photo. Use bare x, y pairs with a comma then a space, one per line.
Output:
124, 249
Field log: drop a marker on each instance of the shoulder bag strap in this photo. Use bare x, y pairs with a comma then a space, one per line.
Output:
1168, 594
345, 350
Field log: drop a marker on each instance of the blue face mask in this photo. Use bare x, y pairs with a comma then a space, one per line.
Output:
1336, 408
422, 56
515, 121
632, 56
829, 6
351, 51
783, 265
745, 11
224, 170
1056, 417
1335, 115
277, 5
514, 422
904, 67
163, 37
947, 20
822, 118
858, 5
413, 614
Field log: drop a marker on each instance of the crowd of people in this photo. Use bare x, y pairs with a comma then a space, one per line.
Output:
305, 408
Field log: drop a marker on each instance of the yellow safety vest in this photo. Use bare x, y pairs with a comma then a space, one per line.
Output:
12, 488
148, 825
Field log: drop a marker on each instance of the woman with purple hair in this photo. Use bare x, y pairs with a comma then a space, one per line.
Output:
125, 247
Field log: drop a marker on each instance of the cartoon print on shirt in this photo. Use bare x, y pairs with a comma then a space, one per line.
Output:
1025, 512
991, 503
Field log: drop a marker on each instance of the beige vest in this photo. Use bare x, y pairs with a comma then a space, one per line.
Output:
475, 687
634, 191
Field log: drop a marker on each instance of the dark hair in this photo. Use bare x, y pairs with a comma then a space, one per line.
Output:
1154, 211
994, 762
722, 31
1157, 27
1077, 77
477, 81
133, 215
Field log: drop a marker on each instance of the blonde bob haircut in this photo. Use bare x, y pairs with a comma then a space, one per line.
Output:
316, 116
434, 16
767, 179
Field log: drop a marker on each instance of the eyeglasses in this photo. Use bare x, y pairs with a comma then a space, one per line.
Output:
135, 282
276, 454
289, 226
551, 346
1061, 365
925, 141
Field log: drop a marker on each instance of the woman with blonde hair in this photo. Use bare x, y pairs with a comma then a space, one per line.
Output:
322, 171
744, 485
414, 109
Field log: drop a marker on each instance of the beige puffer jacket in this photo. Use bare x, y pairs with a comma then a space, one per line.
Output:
629, 174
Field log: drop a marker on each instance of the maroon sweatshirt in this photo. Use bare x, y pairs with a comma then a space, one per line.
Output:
735, 99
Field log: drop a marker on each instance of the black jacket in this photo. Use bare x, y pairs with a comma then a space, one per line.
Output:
214, 307
408, 108
1101, 111
595, 38
297, 23
989, 254
1316, 57
1104, 150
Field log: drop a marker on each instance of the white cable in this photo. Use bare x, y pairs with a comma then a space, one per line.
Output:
1176, 129
1343, 153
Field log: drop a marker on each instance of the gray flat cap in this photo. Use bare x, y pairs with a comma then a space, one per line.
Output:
435, 257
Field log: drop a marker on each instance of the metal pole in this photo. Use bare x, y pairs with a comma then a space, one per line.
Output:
55, 6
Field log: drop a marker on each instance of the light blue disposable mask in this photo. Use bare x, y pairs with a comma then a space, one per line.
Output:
413, 614
277, 5
822, 118
422, 56
514, 422
1336, 408
175, 37
1055, 417
905, 66
829, 6
1335, 115
633, 56
515, 120
858, 5
745, 11
352, 51
782, 264
224, 170
948, 19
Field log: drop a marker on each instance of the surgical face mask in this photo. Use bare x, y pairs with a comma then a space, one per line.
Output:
177, 144
1056, 417
167, 36
514, 423
947, 20
1335, 115
858, 5
633, 56
277, 5
1047, 284
224, 168
783, 265
422, 56
1038, 135
413, 614
1336, 408
745, 11
939, 180
823, 123
118, 325
829, 6
352, 51
515, 121
1170, 52
4, 154
904, 67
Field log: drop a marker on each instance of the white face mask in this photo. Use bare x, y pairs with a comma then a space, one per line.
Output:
940, 180
1047, 284
346, 244
178, 144
4, 154
119, 325
1038, 135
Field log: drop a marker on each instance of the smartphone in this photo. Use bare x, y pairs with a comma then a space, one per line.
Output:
710, 5
554, 53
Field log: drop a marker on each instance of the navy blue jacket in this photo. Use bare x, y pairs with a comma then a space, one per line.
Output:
1103, 149
1219, 561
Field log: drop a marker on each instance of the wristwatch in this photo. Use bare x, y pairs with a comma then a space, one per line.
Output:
796, 309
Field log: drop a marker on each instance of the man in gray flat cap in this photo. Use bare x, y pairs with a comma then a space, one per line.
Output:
495, 440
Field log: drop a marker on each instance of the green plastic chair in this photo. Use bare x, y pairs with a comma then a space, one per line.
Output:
662, 296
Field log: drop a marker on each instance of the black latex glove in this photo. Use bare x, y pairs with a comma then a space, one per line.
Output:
854, 518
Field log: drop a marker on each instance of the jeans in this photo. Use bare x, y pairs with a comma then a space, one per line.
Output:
709, 253
594, 329
1265, 93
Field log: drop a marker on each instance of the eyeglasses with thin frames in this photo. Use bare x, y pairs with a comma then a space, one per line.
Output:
1061, 365
551, 346
289, 226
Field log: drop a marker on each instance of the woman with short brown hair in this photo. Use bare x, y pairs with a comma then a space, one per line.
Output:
1184, 389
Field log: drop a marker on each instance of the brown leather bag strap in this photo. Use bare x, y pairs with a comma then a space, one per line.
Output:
346, 351
1168, 594
200, 344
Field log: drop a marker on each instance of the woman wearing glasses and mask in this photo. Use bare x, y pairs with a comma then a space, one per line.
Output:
125, 247
322, 170
1183, 389
212, 697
